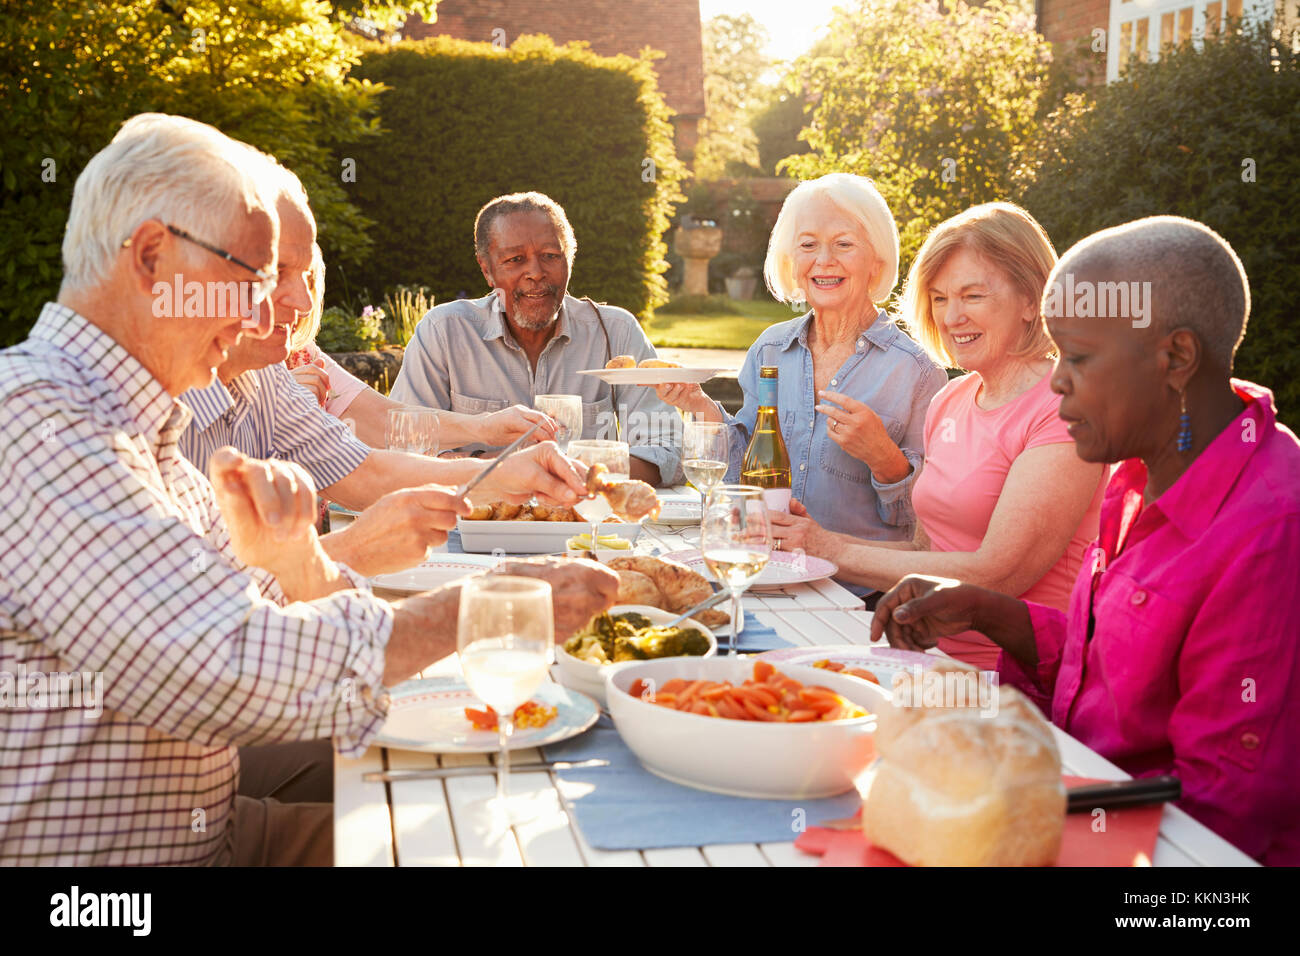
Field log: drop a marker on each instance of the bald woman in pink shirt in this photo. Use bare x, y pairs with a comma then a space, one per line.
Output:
1179, 651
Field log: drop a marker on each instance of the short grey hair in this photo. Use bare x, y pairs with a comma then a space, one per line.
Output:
862, 202
1197, 280
170, 168
523, 202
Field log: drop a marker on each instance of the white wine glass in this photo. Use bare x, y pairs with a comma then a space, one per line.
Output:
736, 541
615, 456
705, 455
413, 429
567, 412
506, 637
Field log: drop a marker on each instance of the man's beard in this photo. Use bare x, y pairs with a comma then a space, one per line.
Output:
523, 315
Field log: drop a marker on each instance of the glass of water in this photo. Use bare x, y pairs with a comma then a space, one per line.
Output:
413, 429
567, 412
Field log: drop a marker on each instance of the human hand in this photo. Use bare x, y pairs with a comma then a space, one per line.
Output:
920, 609
503, 427
269, 508
579, 589
314, 378
794, 530
397, 531
541, 472
857, 429
689, 398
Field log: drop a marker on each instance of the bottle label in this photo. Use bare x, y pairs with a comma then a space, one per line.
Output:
767, 393
777, 499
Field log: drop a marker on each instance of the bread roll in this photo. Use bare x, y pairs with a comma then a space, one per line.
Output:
656, 363
958, 786
635, 588
622, 361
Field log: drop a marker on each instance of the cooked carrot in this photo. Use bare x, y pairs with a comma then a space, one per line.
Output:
802, 716
763, 670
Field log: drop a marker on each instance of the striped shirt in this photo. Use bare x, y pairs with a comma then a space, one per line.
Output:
464, 359
266, 414
116, 569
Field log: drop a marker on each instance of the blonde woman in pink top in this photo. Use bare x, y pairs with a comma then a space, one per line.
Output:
1180, 651
345, 396
1002, 498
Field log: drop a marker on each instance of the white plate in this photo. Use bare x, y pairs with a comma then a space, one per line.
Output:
783, 569
652, 376
438, 570
590, 678
884, 662
532, 537
677, 512
429, 716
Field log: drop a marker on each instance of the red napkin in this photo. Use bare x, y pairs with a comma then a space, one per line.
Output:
1128, 840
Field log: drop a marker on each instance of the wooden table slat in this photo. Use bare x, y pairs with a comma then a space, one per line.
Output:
363, 834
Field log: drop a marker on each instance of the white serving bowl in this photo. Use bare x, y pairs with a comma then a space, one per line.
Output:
772, 761
590, 678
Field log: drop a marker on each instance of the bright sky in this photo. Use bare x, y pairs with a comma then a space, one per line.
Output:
792, 25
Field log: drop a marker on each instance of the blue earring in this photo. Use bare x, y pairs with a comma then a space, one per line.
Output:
1184, 425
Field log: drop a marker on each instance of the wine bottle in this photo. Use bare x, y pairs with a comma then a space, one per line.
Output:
766, 462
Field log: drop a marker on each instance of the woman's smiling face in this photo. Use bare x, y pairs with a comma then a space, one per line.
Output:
833, 261
980, 315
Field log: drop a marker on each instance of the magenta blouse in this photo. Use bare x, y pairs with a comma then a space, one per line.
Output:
1191, 665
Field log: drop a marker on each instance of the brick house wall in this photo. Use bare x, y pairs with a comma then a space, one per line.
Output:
609, 26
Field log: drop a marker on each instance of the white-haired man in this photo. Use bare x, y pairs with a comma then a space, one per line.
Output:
200, 627
529, 337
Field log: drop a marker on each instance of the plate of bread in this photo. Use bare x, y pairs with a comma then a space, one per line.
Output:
626, 370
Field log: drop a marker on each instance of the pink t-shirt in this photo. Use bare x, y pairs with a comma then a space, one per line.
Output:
968, 453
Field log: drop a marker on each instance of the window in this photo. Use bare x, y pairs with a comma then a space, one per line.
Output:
1140, 29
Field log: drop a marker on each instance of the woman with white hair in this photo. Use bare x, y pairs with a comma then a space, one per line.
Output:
341, 393
1003, 500
852, 386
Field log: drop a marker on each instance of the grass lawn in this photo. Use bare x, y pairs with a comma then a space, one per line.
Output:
717, 331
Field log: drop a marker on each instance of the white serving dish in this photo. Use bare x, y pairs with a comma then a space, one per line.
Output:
590, 678
771, 761
532, 537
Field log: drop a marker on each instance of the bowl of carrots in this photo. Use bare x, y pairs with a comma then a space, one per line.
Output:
746, 727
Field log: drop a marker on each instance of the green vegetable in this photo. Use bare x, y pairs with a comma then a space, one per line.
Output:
631, 637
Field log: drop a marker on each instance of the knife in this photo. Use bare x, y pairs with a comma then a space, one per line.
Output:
509, 450
704, 605
1122, 793
439, 773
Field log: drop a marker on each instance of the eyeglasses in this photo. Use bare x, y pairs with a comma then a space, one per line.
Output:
261, 291
260, 273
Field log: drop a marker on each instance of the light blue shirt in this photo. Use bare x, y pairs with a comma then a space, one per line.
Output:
887, 371
463, 358
265, 413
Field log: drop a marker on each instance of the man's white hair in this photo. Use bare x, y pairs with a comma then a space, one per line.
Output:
859, 199
176, 170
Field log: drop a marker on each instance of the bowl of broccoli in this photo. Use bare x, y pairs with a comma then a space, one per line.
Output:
627, 632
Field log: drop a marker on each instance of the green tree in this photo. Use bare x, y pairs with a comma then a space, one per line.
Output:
734, 64
1173, 138
933, 101
271, 72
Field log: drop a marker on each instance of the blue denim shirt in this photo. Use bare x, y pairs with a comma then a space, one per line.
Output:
889, 372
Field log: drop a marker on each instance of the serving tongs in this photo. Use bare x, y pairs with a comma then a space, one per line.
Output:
715, 598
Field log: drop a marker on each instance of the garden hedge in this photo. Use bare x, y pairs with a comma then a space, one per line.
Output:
465, 122
1213, 136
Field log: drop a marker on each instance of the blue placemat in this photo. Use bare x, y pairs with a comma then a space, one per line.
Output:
626, 807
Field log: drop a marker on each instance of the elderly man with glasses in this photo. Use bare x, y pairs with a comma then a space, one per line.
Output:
204, 615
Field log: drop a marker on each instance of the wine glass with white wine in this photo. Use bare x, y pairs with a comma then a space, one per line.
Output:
736, 541
705, 448
413, 429
505, 636
615, 456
